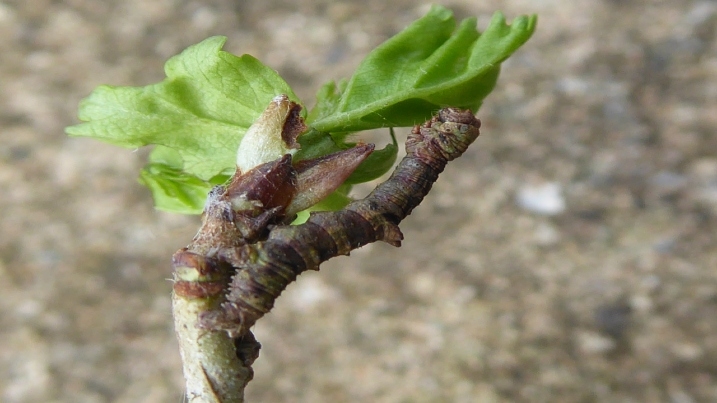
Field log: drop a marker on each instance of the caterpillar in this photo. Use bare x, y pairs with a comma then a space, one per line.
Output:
263, 269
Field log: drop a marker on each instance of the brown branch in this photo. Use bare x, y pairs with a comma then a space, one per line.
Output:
265, 268
264, 258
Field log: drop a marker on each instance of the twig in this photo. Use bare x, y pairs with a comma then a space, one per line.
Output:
240, 260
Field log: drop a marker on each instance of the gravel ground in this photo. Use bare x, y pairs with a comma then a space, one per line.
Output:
570, 256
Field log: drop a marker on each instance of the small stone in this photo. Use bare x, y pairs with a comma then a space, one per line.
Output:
703, 174
613, 319
696, 19
546, 235
423, 285
594, 343
667, 182
546, 199
680, 396
641, 303
687, 351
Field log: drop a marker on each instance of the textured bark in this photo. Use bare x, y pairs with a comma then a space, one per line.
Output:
265, 268
216, 367
243, 256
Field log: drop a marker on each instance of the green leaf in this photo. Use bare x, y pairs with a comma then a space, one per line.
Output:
316, 144
377, 164
173, 189
335, 201
429, 65
201, 110
198, 115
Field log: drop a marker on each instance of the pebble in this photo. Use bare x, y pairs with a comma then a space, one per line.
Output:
594, 343
667, 182
687, 351
546, 198
703, 173
546, 235
613, 319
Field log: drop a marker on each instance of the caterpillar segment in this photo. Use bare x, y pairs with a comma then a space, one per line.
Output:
265, 267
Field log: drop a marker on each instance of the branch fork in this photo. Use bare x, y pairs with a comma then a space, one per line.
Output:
246, 253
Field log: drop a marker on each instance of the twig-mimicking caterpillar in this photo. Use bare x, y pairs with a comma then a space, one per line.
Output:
265, 267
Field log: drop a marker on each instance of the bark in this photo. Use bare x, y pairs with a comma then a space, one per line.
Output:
243, 256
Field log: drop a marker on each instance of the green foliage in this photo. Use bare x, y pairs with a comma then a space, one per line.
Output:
174, 190
427, 66
377, 164
201, 110
197, 116
335, 201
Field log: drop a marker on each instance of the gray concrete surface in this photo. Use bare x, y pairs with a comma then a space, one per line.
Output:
570, 256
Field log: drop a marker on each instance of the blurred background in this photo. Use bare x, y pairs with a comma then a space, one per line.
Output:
569, 256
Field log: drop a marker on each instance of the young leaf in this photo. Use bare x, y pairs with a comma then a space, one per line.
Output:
198, 115
428, 65
315, 144
377, 164
201, 110
174, 190
335, 201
